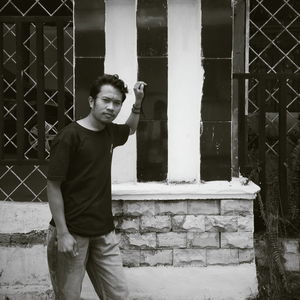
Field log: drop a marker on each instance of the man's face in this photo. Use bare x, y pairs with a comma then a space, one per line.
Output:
107, 104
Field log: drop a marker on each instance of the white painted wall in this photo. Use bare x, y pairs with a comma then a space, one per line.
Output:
185, 80
121, 59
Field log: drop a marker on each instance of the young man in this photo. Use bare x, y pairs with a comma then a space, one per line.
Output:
81, 234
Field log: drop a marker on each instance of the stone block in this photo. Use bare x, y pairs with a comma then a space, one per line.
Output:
237, 207
291, 246
122, 239
5, 239
237, 240
139, 208
222, 256
131, 258
171, 207
246, 223
142, 241
203, 239
34, 237
292, 262
156, 257
117, 207
203, 207
172, 239
129, 224
188, 223
246, 255
189, 257
221, 223
156, 223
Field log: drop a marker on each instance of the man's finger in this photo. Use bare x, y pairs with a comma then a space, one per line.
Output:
75, 249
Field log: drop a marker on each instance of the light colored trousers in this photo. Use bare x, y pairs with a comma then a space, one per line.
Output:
99, 256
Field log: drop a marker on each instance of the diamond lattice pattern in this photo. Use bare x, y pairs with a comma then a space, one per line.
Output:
27, 183
274, 47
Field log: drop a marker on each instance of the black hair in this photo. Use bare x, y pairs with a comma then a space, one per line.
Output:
112, 80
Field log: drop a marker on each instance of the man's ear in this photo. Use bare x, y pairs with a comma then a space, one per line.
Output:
91, 102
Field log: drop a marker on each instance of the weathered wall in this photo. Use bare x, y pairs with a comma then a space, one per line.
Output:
185, 232
207, 229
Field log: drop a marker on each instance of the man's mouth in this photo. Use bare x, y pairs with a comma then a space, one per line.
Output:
108, 115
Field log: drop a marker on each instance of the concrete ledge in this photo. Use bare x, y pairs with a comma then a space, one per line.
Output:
234, 189
167, 283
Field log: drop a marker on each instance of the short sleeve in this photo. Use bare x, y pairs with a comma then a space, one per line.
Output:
60, 154
120, 134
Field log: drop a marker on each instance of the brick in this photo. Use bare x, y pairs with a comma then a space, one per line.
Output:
156, 257
222, 256
188, 222
139, 208
203, 240
171, 239
171, 207
189, 257
236, 240
129, 224
131, 258
117, 207
246, 223
292, 262
122, 239
5, 239
156, 223
246, 255
203, 207
237, 207
291, 246
142, 241
221, 223
31, 238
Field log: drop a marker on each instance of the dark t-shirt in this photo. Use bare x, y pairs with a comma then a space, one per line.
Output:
81, 159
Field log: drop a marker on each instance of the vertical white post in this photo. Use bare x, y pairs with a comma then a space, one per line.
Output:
121, 59
185, 80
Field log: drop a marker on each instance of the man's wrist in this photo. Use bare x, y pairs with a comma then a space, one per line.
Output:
61, 233
136, 109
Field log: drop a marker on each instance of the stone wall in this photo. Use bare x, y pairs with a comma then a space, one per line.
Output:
185, 232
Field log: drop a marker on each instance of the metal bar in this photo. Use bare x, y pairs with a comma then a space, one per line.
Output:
1, 94
239, 27
262, 135
40, 90
266, 75
60, 75
20, 95
23, 162
242, 128
35, 19
283, 185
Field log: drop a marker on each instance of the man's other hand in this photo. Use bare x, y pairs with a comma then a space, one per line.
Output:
67, 244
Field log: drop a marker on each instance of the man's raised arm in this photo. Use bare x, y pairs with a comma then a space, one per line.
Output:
134, 117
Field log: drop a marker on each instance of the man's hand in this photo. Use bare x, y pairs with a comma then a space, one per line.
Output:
67, 244
139, 91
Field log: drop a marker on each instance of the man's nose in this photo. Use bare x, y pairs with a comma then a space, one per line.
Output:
110, 106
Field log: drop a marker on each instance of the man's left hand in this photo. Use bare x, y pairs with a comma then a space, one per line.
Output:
139, 91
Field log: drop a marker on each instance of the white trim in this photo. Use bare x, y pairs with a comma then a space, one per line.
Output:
121, 59
185, 80
163, 191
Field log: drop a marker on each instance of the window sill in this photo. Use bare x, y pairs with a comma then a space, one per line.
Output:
164, 191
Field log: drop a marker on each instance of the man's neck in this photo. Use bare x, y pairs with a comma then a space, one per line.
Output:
91, 123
